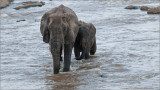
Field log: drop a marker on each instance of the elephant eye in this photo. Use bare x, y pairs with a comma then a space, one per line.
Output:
64, 29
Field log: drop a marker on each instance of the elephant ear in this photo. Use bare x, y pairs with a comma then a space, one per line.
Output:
44, 29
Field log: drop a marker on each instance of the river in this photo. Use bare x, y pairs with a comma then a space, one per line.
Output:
127, 54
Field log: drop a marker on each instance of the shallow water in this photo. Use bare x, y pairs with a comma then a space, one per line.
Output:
127, 40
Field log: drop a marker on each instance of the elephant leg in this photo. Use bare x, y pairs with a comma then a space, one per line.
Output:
76, 52
93, 48
67, 56
87, 53
83, 54
61, 54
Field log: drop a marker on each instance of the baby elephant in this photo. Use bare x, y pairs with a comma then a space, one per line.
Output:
85, 41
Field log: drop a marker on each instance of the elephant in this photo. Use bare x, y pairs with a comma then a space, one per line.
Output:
85, 41
59, 27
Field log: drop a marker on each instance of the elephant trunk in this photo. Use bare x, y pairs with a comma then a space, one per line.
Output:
56, 45
56, 54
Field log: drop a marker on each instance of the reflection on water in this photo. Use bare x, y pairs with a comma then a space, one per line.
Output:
127, 54
67, 81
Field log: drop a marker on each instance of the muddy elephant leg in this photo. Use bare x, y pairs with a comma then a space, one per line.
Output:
67, 56
93, 48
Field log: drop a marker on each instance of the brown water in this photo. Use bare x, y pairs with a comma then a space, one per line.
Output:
127, 56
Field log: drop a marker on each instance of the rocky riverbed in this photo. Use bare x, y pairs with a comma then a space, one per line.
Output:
127, 54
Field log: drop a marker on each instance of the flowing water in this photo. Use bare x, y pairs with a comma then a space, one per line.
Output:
127, 54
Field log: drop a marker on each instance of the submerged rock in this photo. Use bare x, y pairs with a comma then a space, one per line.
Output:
29, 4
131, 7
20, 20
88, 66
3, 15
144, 8
155, 10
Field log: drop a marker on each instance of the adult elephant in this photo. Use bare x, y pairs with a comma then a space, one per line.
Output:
59, 28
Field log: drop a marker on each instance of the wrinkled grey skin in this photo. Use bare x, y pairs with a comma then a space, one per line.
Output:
85, 41
59, 28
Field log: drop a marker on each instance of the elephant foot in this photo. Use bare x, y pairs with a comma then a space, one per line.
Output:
56, 71
92, 52
86, 57
65, 69
78, 58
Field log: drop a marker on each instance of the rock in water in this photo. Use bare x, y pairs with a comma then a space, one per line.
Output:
29, 4
3, 15
20, 20
131, 7
155, 10
144, 8
4, 3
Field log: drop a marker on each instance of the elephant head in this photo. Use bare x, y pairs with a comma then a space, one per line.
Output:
57, 30
54, 27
